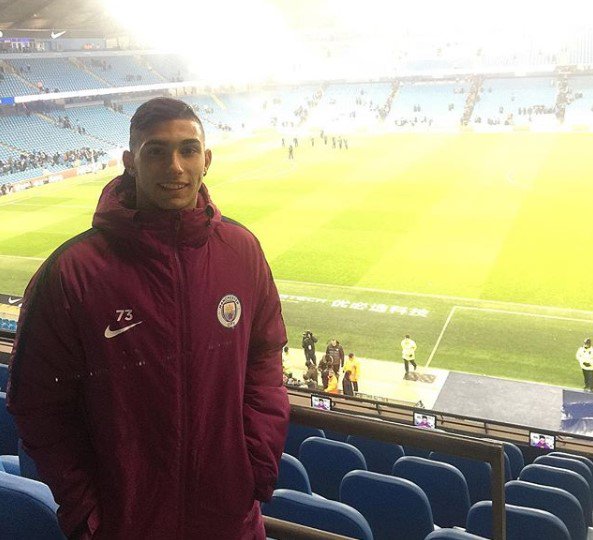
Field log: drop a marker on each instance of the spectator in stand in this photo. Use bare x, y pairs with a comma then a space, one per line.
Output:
352, 364
336, 352
347, 388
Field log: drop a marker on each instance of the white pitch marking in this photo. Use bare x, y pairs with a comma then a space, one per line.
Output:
21, 257
542, 315
436, 345
429, 295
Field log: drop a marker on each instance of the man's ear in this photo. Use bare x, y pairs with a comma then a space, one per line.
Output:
128, 159
207, 160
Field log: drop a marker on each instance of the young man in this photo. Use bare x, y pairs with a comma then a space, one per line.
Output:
408, 353
336, 352
146, 378
585, 358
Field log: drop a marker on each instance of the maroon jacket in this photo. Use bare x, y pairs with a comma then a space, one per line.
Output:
146, 378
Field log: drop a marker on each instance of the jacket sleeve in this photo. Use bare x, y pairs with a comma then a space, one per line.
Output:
45, 398
266, 408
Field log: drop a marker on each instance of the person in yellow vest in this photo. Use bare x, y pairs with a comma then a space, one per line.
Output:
352, 364
332, 383
585, 358
409, 353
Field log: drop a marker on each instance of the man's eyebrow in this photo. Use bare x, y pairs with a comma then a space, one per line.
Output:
160, 142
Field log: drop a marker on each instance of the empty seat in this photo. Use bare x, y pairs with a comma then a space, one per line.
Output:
8, 433
582, 459
3, 377
380, 456
327, 462
316, 512
567, 463
521, 523
516, 460
443, 484
564, 479
452, 534
292, 475
27, 510
554, 500
395, 508
477, 474
297, 433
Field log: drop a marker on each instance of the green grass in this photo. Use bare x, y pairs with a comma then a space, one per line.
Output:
485, 217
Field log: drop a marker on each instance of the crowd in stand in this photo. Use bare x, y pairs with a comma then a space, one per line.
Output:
39, 159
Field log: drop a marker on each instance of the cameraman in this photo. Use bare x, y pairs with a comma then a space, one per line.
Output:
308, 345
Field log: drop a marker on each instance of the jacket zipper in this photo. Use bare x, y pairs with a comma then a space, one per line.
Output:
183, 333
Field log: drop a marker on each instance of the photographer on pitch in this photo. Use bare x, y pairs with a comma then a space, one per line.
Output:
308, 345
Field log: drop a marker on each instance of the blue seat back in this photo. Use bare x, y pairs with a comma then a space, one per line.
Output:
327, 462
516, 460
27, 510
554, 500
335, 435
297, 433
417, 452
452, 534
477, 474
3, 377
443, 484
292, 475
8, 434
395, 508
567, 463
522, 523
563, 479
380, 456
332, 516
582, 459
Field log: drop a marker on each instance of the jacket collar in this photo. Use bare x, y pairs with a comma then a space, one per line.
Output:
116, 214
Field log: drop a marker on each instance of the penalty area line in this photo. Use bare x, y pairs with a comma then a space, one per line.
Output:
438, 342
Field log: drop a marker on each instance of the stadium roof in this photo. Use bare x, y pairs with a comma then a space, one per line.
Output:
81, 18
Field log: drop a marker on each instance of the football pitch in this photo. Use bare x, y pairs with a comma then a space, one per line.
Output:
478, 245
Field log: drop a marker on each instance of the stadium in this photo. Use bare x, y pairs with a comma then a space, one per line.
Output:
407, 172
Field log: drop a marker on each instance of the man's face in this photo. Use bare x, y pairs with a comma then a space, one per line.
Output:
168, 162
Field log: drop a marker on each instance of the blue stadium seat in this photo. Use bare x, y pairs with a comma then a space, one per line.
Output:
27, 510
582, 459
11, 465
327, 462
3, 377
335, 435
297, 433
379, 456
316, 512
554, 500
27, 465
395, 508
522, 523
8, 433
293, 475
476, 473
443, 484
567, 463
516, 460
452, 534
564, 479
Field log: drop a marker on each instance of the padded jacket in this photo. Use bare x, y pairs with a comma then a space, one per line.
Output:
146, 376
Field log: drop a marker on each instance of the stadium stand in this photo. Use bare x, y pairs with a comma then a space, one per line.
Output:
567, 463
296, 435
292, 475
379, 456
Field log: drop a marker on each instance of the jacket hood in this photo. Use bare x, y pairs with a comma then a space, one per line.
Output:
117, 215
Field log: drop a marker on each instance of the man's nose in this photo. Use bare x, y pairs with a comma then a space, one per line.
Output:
175, 163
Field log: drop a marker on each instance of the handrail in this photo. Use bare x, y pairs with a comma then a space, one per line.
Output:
454, 444
285, 530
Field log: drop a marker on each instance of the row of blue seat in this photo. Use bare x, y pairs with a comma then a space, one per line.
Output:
8, 324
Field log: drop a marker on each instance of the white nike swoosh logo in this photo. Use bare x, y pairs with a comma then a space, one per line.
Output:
109, 333
56, 35
12, 300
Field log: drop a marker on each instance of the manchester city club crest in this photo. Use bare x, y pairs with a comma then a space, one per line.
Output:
229, 311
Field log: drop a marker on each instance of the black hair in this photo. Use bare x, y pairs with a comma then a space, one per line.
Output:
161, 109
